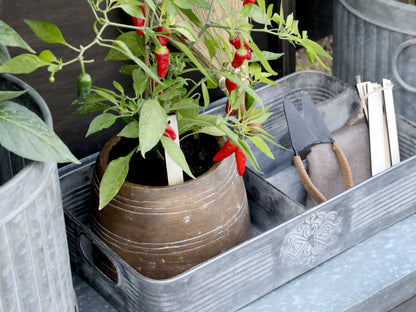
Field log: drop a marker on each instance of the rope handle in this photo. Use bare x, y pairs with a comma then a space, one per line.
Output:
345, 166
307, 182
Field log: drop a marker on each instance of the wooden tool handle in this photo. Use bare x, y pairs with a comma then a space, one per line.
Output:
307, 182
345, 167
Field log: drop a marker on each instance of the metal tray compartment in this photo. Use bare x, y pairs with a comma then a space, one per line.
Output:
287, 240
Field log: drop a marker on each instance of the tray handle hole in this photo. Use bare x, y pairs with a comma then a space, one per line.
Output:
97, 258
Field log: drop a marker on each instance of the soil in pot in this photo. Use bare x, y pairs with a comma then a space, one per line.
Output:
151, 171
162, 231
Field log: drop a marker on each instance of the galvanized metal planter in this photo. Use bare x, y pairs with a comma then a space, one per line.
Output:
287, 239
35, 272
380, 43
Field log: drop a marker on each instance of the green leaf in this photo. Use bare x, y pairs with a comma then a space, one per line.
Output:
258, 15
4, 54
53, 68
151, 5
190, 123
139, 81
289, 21
106, 96
245, 11
118, 86
113, 178
184, 4
261, 58
212, 130
262, 146
186, 30
262, 5
25, 134
8, 95
128, 69
10, 38
131, 130
205, 94
223, 5
91, 107
270, 11
152, 125
47, 56
172, 9
192, 17
46, 31
101, 122
267, 55
210, 44
259, 116
203, 4
132, 7
171, 93
134, 42
132, 10
176, 154
250, 156
185, 103
22, 64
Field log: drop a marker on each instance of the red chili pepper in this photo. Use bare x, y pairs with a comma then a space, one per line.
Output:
170, 133
248, 1
248, 51
163, 39
239, 58
162, 59
138, 22
236, 42
240, 159
225, 151
230, 85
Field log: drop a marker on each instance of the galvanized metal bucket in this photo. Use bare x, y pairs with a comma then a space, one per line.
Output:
377, 39
35, 272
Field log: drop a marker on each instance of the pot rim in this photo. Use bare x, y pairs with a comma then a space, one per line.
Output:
102, 162
377, 11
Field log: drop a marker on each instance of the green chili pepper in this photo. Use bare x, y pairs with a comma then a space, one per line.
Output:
84, 83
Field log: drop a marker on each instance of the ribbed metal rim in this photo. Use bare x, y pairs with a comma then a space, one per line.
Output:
401, 15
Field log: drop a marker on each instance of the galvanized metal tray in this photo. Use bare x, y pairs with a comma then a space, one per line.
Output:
287, 239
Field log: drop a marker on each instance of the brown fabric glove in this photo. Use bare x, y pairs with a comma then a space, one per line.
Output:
323, 166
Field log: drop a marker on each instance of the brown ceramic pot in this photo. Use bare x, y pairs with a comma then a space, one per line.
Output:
164, 231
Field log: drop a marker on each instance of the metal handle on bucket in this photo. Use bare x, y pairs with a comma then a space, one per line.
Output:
396, 74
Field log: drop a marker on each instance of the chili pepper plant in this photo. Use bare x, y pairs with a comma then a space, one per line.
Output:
158, 41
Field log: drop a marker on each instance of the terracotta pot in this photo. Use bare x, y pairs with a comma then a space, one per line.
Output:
164, 231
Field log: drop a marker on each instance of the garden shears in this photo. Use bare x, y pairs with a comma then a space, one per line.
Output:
307, 131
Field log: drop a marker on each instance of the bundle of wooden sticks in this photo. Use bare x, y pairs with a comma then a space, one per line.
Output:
378, 107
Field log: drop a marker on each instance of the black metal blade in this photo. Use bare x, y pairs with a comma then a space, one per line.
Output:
300, 135
314, 120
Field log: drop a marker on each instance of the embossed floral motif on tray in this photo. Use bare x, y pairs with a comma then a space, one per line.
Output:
304, 245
